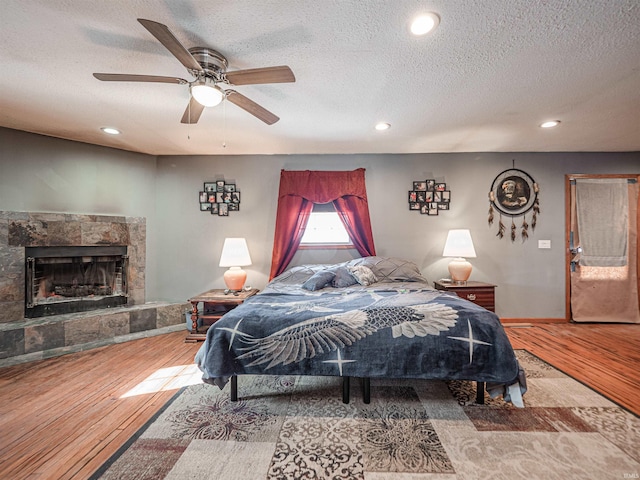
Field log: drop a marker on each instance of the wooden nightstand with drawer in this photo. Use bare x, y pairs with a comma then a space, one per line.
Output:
215, 304
480, 293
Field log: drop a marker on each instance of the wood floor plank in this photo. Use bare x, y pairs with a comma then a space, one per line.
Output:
63, 417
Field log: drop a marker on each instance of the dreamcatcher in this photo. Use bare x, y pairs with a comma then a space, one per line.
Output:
513, 194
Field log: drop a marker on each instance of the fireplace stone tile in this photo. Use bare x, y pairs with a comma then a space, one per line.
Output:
172, 314
141, 320
64, 233
136, 276
11, 343
11, 312
136, 296
114, 325
81, 330
43, 337
4, 230
27, 233
87, 329
105, 233
12, 277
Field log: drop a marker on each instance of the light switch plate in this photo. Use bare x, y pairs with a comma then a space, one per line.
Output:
544, 243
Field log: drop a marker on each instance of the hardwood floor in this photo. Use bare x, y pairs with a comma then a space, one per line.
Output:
61, 418
606, 357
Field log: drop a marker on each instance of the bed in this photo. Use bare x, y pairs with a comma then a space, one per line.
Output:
371, 317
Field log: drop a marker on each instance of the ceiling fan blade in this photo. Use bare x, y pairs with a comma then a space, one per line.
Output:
252, 107
281, 74
171, 43
193, 112
124, 77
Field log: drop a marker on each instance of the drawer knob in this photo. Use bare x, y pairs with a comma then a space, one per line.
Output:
471, 296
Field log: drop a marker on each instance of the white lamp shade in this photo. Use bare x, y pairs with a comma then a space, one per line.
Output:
235, 253
459, 244
207, 93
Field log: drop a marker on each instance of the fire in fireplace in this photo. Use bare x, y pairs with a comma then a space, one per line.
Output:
74, 279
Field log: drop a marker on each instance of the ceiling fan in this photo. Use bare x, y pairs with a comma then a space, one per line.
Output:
209, 68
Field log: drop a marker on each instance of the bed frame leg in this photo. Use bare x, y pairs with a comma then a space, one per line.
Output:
480, 393
366, 390
346, 384
234, 388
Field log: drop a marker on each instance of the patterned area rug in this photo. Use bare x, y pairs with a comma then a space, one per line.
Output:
298, 428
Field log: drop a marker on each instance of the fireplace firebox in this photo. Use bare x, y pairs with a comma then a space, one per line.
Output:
72, 279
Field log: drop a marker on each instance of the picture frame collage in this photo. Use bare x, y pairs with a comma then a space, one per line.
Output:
219, 198
429, 197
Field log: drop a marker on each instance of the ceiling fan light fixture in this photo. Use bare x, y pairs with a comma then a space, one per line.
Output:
424, 24
207, 93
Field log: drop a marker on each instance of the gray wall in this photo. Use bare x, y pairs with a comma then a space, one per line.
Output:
44, 174
184, 244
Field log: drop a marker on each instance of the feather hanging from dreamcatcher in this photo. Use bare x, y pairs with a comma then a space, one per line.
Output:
501, 228
524, 232
536, 207
490, 219
513, 194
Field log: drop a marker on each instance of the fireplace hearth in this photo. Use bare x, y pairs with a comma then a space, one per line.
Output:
69, 279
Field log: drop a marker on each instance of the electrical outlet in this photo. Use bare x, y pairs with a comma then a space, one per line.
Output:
544, 243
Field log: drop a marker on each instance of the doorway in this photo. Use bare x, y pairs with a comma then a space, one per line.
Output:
602, 248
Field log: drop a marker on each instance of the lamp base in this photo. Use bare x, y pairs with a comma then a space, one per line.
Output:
234, 278
460, 270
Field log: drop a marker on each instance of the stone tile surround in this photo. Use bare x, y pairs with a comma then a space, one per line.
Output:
37, 338
59, 334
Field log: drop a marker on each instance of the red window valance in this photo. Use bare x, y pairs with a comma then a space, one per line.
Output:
299, 190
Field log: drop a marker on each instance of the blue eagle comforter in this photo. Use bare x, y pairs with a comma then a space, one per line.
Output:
388, 329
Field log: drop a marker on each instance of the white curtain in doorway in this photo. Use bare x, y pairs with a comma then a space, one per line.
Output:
607, 293
603, 219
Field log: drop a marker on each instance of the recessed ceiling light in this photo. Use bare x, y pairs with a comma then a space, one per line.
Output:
110, 130
423, 24
550, 124
383, 126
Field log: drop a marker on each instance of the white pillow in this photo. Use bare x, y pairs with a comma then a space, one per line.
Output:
364, 275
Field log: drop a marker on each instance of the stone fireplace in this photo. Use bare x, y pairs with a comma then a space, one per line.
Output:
74, 279
70, 282
51, 235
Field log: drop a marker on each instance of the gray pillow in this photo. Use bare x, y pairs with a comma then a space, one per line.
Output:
319, 280
343, 278
390, 269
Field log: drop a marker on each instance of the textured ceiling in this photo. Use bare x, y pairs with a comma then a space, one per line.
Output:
483, 81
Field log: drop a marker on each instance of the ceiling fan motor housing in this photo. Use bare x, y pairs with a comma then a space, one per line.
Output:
212, 61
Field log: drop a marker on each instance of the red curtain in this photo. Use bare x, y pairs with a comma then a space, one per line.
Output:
299, 190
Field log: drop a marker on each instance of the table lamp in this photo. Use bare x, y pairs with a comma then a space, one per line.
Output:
235, 254
459, 245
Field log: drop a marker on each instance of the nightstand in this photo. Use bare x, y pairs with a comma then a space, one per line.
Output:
480, 293
215, 303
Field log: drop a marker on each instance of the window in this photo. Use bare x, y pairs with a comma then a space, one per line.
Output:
325, 229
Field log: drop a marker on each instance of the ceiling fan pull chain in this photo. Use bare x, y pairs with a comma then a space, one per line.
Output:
224, 124
189, 123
